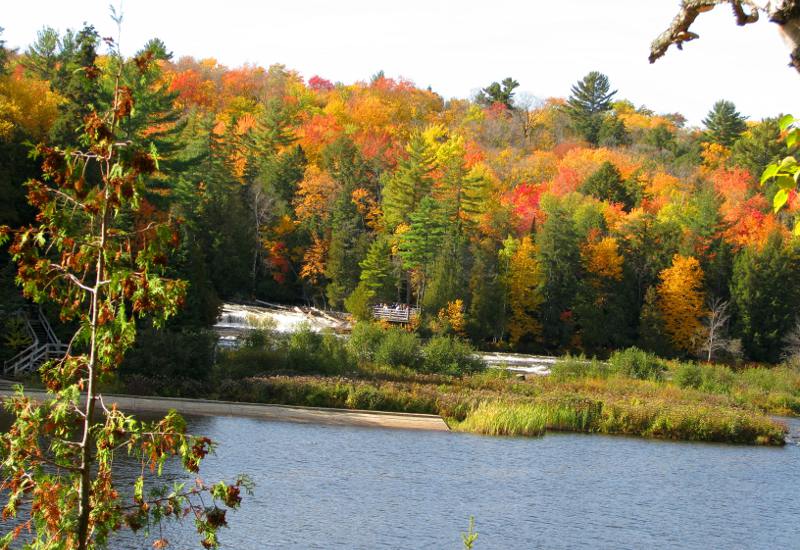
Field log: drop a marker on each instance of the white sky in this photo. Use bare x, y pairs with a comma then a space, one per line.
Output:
459, 46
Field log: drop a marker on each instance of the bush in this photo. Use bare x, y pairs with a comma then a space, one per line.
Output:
570, 367
311, 352
716, 378
365, 339
689, 375
449, 355
399, 348
635, 363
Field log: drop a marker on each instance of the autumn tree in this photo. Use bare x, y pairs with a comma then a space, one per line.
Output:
724, 124
588, 104
524, 278
681, 301
599, 305
87, 253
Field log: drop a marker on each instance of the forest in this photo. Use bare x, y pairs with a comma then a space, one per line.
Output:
580, 224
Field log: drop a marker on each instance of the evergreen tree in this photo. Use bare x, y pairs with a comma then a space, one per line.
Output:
586, 107
448, 277
723, 123
419, 246
607, 184
75, 70
502, 92
486, 319
347, 248
613, 132
765, 304
405, 188
758, 147
560, 261
661, 137
652, 333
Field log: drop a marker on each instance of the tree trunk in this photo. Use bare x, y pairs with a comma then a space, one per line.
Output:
84, 490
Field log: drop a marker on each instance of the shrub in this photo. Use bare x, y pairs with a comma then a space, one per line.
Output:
365, 339
399, 348
311, 352
635, 363
688, 375
570, 367
449, 355
716, 378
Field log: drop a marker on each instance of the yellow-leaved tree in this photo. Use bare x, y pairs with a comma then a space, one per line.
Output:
602, 258
681, 301
524, 279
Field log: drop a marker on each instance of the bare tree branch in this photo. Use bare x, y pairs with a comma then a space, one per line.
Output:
678, 31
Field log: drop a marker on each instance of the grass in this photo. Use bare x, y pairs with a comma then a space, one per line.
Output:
634, 393
493, 404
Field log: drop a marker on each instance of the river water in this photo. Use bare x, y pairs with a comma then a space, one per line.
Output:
345, 487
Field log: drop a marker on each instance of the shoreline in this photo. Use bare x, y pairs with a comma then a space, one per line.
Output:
283, 413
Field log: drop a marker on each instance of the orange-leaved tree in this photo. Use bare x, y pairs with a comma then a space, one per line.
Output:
681, 301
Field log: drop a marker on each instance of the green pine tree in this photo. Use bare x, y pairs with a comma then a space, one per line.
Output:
758, 146
607, 184
724, 124
588, 104
560, 261
406, 187
499, 92
765, 304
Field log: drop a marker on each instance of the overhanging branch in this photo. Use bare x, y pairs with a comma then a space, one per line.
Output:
679, 30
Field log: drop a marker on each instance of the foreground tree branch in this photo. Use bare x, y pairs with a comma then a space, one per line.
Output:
784, 13
90, 254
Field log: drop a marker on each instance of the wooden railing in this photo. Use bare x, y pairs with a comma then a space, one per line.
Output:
31, 358
395, 315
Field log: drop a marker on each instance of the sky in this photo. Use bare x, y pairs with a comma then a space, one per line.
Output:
459, 46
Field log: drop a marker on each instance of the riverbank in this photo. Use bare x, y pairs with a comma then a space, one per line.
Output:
308, 415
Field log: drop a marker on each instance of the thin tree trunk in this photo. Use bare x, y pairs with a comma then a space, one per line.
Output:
84, 506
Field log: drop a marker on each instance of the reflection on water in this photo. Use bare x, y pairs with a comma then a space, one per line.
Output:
341, 487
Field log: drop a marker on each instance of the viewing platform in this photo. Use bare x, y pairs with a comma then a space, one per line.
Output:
396, 314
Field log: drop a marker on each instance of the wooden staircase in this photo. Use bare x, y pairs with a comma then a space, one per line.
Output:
45, 346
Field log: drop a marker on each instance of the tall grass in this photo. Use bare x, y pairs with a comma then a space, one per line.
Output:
499, 418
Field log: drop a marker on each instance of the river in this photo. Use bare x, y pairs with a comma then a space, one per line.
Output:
345, 487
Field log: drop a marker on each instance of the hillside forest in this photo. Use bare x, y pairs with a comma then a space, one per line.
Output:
580, 224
